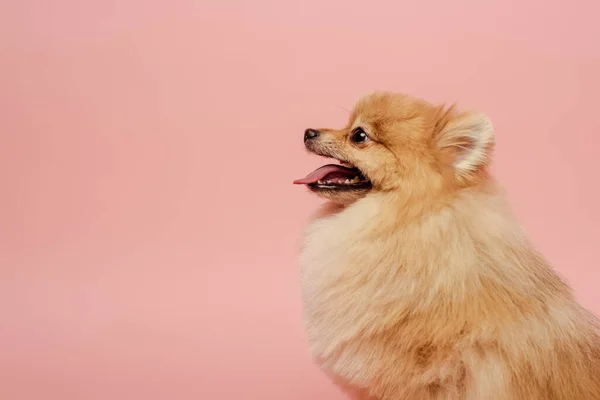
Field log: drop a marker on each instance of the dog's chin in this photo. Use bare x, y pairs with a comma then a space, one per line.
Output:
341, 194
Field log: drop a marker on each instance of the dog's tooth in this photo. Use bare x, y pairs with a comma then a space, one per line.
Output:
356, 179
347, 181
320, 182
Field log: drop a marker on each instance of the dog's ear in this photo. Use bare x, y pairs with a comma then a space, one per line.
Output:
466, 140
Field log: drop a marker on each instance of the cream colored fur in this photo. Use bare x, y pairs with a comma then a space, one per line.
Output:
436, 293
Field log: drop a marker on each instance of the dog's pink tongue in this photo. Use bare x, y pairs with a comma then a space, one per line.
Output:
318, 174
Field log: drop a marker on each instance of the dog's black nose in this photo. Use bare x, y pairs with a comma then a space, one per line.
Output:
310, 134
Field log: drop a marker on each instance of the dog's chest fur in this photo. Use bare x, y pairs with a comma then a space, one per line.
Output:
362, 273
361, 276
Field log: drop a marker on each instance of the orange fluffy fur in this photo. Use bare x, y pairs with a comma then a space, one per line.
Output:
424, 286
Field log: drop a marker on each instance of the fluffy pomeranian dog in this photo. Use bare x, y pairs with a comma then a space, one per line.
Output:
418, 282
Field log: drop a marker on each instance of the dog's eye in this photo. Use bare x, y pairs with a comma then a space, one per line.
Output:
359, 135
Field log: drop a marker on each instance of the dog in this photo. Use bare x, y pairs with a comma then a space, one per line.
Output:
418, 281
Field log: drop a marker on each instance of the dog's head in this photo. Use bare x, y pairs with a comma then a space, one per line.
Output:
394, 142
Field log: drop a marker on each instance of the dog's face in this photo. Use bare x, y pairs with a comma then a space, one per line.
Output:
394, 142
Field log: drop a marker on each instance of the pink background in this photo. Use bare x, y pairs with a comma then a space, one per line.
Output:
148, 225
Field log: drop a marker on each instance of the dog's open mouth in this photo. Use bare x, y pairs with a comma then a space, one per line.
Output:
335, 177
